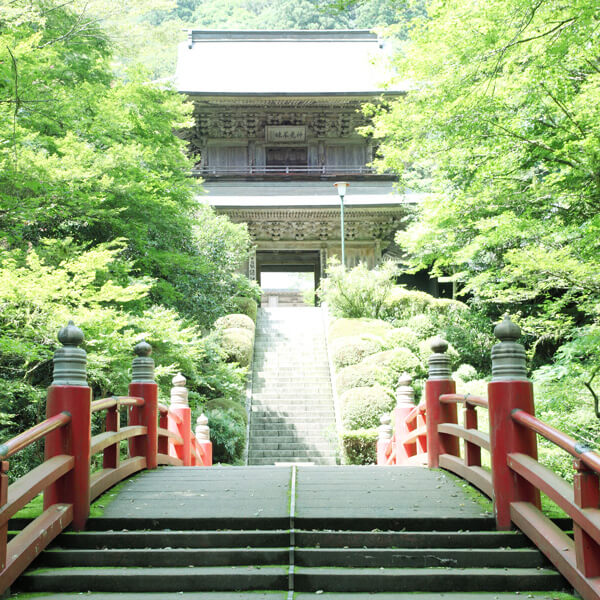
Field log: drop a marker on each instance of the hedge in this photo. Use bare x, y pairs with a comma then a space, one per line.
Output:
238, 345
237, 321
360, 447
362, 407
352, 349
246, 306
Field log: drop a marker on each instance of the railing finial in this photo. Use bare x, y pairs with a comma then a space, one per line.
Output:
142, 367
202, 428
508, 357
405, 394
179, 393
385, 429
439, 361
69, 360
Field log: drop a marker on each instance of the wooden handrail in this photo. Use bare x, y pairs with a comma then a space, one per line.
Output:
588, 456
35, 433
464, 399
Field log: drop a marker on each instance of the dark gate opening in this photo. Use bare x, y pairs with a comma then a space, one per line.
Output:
275, 268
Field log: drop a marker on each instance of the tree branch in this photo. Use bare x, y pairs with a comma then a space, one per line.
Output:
588, 385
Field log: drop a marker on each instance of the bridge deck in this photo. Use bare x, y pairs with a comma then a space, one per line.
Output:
259, 493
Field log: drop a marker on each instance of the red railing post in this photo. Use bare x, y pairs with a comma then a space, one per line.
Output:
384, 439
70, 393
509, 390
203, 439
180, 407
163, 441
111, 456
587, 495
144, 386
472, 451
3, 501
439, 382
405, 403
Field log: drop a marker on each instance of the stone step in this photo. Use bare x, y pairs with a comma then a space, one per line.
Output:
335, 579
308, 432
320, 444
139, 579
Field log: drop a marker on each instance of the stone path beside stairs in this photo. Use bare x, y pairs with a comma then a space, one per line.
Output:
292, 417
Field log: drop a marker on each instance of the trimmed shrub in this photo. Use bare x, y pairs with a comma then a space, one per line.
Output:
362, 407
397, 360
235, 321
352, 349
246, 306
224, 405
466, 373
382, 368
358, 376
401, 336
423, 326
360, 446
358, 327
402, 304
238, 345
228, 435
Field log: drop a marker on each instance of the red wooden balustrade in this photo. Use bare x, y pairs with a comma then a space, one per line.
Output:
516, 478
153, 432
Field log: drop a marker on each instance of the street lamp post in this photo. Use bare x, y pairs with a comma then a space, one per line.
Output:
342, 186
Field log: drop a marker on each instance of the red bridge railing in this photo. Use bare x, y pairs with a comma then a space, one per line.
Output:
65, 477
515, 478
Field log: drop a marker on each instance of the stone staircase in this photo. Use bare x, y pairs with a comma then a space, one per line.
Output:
293, 417
175, 561
276, 533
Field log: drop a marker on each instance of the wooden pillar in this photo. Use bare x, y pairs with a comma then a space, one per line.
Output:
405, 403
144, 386
509, 390
70, 393
439, 382
181, 408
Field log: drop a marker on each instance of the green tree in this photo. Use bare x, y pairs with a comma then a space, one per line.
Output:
94, 159
501, 126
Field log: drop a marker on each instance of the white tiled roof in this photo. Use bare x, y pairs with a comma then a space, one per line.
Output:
284, 62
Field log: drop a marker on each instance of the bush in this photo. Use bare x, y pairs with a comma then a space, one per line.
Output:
228, 435
235, 321
401, 336
358, 327
246, 306
358, 376
351, 350
399, 360
466, 373
224, 405
362, 407
423, 326
357, 292
402, 304
360, 446
238, 345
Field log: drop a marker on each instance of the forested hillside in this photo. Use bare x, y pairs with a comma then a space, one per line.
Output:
150, 37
